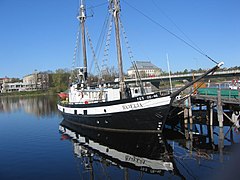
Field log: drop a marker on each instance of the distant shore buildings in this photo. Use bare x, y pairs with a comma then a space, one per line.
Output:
145, 69
32, 82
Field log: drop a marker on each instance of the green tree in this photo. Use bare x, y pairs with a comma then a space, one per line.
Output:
59, 80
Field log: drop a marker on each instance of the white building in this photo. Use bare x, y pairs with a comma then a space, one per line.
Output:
13, 87
32, 82
145, 69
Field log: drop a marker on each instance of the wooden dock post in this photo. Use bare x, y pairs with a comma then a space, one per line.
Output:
219, 109
208, 113
190, 110
185, 114
211, 113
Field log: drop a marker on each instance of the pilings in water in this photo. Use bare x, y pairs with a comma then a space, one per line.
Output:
213, 104
219, 109
188, 111
188, 116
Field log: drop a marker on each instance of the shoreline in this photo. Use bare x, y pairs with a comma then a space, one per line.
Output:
27, 94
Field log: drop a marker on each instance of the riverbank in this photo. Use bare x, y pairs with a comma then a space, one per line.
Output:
27, 93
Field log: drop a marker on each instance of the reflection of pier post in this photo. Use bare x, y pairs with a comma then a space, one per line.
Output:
231, 136
221, 143
126, 177
210, 135
191, 137
219, 109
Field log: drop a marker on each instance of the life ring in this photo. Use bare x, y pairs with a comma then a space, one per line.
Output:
236, 113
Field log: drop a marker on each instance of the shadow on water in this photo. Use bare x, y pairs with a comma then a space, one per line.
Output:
38, 105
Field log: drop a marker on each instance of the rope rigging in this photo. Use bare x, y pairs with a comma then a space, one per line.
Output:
75, 54
138, 77
171, 20
107, 46
93, 52
173, 34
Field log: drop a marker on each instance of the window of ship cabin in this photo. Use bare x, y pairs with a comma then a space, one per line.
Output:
85, 112
136, 91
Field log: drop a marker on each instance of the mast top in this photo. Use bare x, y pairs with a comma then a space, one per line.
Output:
82, 12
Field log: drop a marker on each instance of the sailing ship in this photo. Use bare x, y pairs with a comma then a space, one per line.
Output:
122, 108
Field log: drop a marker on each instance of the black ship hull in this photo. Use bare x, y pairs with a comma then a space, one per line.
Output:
141, 114
144, 120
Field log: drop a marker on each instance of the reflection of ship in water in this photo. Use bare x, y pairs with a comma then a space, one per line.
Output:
37, 105
185, 151
146, 153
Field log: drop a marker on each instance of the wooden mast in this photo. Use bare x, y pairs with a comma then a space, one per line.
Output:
115, 7
82, 18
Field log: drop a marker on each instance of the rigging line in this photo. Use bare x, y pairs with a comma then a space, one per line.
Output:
130, 54
107, 45
102, 35
75, 53
98, 5
173, 34
93, 53
171, 20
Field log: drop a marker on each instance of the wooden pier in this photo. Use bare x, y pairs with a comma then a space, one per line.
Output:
226, 103
217, 110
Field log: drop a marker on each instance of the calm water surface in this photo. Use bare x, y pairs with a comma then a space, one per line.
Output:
36, 143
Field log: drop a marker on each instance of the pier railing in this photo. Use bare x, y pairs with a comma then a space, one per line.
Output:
228, 96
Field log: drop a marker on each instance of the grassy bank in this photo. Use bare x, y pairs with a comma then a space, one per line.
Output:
29, 93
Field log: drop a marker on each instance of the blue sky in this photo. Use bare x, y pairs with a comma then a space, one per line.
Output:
41, 35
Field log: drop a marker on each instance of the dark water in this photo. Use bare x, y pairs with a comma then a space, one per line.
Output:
36, 143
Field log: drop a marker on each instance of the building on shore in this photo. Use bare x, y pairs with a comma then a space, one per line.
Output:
145, 69
32, 82
37, 81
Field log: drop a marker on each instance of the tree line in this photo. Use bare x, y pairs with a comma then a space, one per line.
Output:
61, 78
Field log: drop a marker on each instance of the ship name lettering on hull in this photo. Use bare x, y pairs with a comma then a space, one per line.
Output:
132, 106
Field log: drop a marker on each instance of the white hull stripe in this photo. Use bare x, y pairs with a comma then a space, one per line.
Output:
125, 107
